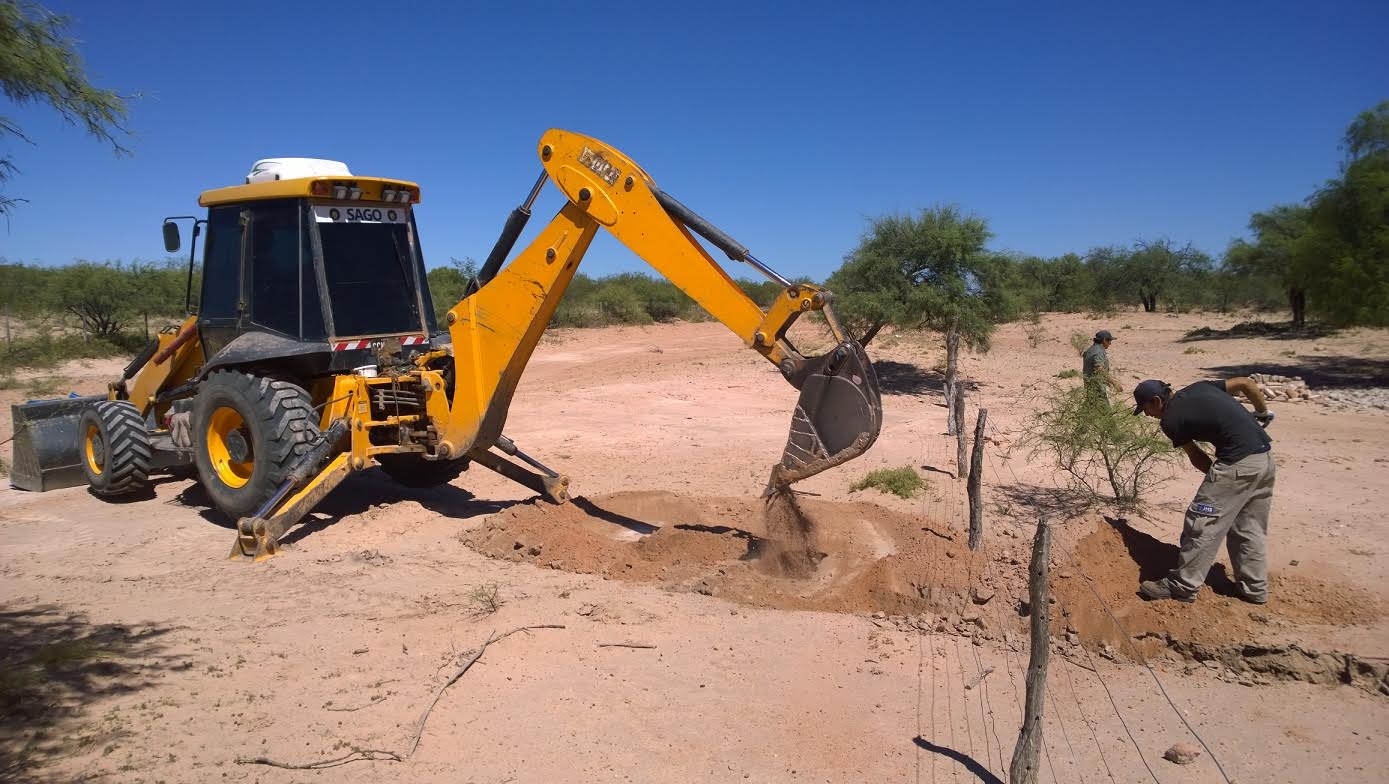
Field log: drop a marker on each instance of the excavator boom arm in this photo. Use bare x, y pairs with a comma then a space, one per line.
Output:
495, 329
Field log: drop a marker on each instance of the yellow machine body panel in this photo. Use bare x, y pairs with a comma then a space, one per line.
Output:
175, 362
307, 187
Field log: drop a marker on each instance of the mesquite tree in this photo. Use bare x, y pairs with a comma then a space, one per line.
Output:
927, 270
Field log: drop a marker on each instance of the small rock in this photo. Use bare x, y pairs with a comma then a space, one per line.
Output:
980, 595
557, 564
533, 550
1292, 562
1064, 574
1073, 638
1182, 753
586, 609
878, 616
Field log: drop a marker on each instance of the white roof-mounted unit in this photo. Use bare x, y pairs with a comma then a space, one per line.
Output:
271, 169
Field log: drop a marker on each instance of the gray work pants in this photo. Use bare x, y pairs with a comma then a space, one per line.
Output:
1231, 505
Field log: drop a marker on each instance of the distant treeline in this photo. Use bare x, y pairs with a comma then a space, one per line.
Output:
113, 301
626, 298
89, 309
93, 309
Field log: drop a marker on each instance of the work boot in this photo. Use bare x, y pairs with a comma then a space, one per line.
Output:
1251, 598
1153, 590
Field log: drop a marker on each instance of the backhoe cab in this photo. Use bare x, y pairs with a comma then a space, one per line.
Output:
314, 350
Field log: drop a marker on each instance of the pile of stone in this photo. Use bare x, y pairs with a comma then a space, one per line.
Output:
1283, 388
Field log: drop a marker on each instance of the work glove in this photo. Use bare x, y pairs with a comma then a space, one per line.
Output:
1263, 418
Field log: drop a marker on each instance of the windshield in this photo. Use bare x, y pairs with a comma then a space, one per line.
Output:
370, 267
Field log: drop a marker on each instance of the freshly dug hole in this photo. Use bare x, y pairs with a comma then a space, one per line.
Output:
793, 553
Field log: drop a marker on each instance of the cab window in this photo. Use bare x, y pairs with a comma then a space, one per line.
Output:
221, 264
278, 263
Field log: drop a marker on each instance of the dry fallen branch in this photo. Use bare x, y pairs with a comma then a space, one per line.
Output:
491, 638
624, 645
376, 755
357, 755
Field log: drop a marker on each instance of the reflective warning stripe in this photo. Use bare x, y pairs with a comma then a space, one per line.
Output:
354, 345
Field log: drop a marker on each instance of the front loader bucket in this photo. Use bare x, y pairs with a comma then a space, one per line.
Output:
47, 452
837, 418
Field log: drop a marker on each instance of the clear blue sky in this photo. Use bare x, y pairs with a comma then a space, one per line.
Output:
786, 124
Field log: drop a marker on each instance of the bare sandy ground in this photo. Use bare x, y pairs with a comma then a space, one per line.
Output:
133, 652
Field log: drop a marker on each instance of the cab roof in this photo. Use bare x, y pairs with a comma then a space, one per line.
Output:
303, 187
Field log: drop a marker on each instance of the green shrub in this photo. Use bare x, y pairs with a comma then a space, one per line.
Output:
621, 305
904, 482
1098, 444
1080, 342
46, 351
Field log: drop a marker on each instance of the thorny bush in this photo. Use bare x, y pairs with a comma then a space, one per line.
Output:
1098, 443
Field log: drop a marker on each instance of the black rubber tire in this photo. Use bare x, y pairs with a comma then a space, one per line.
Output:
415, 471
278, 424
115, 448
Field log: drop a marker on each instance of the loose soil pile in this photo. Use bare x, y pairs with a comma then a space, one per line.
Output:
795, 552
1218, 627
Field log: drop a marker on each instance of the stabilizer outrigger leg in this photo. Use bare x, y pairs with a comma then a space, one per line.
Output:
551, 486
258, 536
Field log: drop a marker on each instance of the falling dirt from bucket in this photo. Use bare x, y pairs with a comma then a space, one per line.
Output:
790, 548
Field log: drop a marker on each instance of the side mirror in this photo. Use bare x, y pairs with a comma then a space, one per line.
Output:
171, 239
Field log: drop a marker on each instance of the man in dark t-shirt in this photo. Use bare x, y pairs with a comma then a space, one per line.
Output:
1234, 501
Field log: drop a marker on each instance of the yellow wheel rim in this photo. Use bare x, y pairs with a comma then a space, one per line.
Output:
224, 422
95, 449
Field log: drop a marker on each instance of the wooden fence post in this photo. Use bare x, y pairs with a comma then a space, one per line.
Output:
961, 439
1026, 755
952, 352
976, 479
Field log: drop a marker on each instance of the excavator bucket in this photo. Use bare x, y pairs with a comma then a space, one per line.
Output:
47, 454
837, 417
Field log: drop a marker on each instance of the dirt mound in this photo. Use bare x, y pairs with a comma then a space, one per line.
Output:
807, 554
795, 553
1218, 628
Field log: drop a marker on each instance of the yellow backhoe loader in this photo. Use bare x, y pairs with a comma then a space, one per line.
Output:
314, 350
